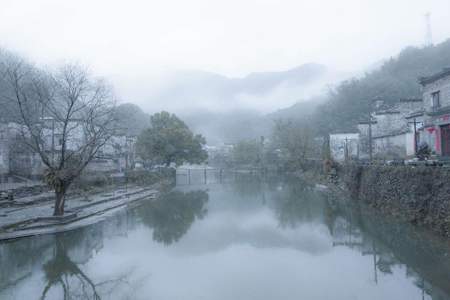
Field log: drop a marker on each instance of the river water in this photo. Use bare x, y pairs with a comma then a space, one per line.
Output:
242, 238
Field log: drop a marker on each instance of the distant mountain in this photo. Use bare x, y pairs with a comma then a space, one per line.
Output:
264, 82
300, 110
190, 91
228, 109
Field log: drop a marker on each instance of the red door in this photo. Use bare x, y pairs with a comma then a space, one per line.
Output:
445, 140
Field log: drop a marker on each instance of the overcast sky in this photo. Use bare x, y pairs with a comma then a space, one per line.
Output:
230, 37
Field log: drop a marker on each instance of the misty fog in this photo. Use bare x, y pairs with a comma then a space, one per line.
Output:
224, 149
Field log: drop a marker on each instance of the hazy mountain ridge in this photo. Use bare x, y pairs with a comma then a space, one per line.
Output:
263, 82
227, 109
189, 91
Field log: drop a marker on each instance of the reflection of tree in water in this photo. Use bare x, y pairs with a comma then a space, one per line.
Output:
298, 203
67, 277
172, 214
247, 185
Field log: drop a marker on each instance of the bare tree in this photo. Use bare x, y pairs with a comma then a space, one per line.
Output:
66, 117
295, 140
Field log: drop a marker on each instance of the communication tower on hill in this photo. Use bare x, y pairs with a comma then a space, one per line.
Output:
428, 33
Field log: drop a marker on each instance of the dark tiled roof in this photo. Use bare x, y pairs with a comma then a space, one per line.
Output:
387, 112
415, 114
430, 79
366, 122
394, 133
411, 100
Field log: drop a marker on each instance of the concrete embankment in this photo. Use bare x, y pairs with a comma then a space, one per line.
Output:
419, 195
34, 218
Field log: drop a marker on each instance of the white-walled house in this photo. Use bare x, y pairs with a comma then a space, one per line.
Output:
393, 134
4, 149
116, 155
15, 157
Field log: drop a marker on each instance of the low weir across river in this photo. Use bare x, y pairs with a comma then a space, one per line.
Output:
193, 176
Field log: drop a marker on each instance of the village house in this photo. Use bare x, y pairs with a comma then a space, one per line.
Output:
436, 115
118, 154
115, 156
15, 157
4, 149
393, 129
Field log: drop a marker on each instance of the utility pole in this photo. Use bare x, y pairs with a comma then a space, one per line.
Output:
369, 122
346, 150
415, 123
415, 136
374, 250
370, 139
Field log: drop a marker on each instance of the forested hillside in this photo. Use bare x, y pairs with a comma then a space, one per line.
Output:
397, 78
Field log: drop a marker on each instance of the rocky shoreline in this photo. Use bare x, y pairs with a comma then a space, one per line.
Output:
418, 195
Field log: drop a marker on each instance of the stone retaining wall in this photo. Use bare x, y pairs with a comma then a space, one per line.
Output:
420, 195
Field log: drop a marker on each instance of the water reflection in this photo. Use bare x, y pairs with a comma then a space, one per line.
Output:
62, 271
299, 203
393, 245
65, 276
61, 259
171, 215
254, 238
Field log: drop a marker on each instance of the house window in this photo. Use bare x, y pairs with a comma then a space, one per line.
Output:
435, 97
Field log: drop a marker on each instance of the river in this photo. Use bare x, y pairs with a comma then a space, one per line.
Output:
242, 238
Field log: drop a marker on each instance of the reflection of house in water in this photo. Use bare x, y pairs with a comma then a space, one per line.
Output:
87, 241
394, 246
19, 258
346, 234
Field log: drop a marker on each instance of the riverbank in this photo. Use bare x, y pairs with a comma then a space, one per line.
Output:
89, 201
418, 195
34, 218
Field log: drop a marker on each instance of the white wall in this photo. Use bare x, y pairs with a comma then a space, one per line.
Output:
442, 85
390, 146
